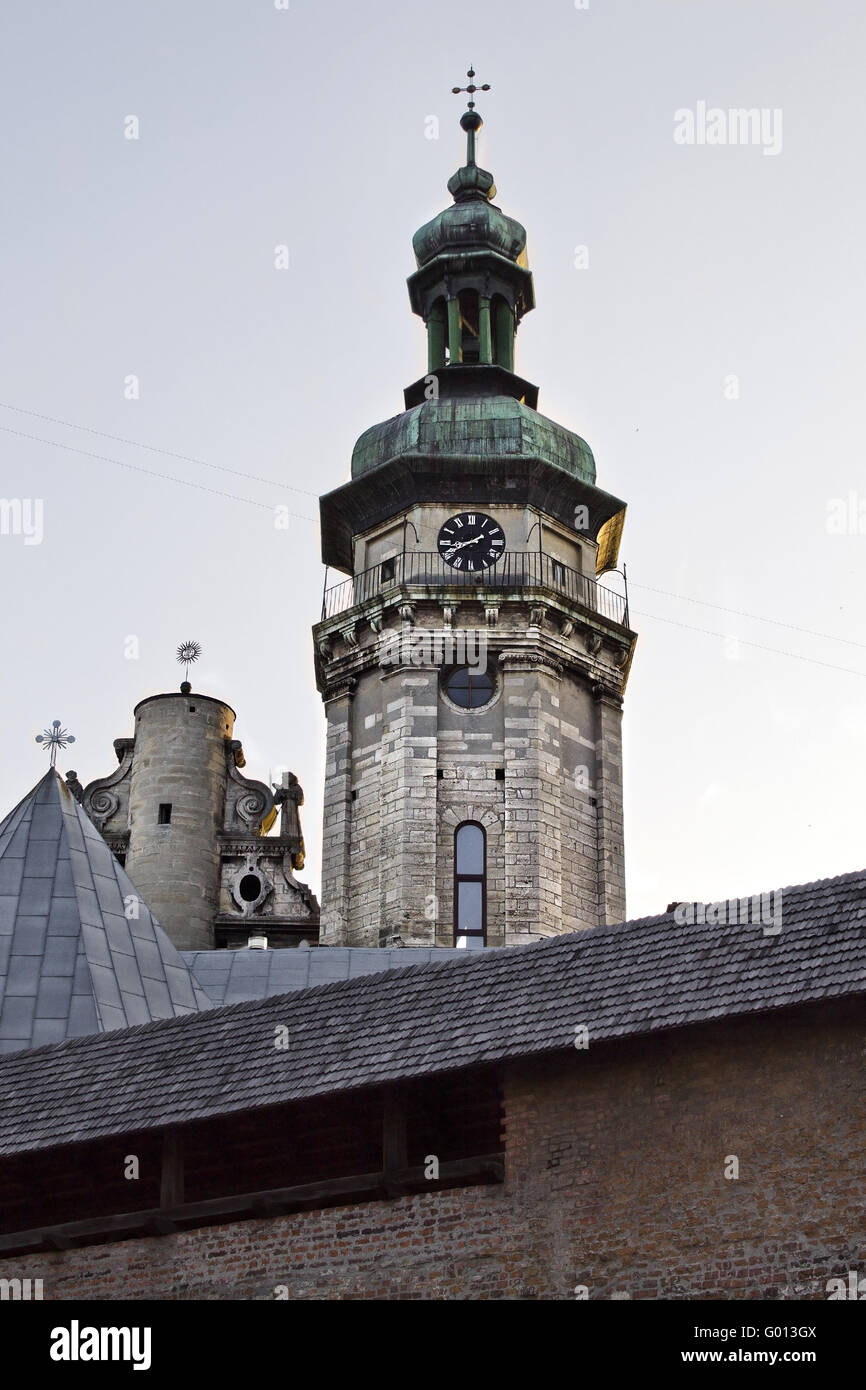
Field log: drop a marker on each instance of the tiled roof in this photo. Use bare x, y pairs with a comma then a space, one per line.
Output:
617, 981
71, 963
229, 977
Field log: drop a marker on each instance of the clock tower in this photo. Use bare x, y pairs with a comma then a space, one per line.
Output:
474, 649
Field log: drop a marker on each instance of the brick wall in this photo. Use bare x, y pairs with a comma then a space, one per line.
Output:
615, 1180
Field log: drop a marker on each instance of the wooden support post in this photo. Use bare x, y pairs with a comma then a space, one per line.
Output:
394, 1150
171, 1184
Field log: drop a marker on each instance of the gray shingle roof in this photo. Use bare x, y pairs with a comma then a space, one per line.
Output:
71, 962
618, 981
229, 977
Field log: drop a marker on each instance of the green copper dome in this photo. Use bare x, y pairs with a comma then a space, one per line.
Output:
470, 226
496, 428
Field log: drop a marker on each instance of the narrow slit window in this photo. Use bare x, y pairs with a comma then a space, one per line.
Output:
164, 817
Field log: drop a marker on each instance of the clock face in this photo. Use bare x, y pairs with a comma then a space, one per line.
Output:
471, 541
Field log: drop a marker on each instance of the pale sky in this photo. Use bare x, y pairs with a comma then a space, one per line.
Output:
711, 353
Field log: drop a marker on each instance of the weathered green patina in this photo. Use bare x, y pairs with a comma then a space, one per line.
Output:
495, 428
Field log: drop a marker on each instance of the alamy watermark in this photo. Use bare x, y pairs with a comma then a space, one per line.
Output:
18, 1290
424, 647
763, 909
714, 125
23, 516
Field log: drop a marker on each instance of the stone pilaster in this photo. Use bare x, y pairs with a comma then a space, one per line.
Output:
611, 848
337, 817
533, 837
407, 807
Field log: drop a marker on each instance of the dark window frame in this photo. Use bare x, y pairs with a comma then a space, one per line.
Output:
163, 816
471, 878
485, 675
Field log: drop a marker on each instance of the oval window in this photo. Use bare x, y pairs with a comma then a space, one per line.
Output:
250, 888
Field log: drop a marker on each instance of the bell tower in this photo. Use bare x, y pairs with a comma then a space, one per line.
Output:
473, 658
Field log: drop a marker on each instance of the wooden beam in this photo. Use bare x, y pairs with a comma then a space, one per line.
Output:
394, 1149
357, 1188
171, 1180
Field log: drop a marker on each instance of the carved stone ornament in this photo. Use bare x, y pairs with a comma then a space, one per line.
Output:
249, 872
491, 614
536, 615
342, 688
247, 802
525, 659
103, 798
593, 643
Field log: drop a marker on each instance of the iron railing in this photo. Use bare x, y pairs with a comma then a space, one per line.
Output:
425, 569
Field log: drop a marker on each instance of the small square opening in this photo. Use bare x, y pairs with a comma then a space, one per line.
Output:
164, 817
500, 774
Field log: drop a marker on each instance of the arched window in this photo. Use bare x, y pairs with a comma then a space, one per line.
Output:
470, 885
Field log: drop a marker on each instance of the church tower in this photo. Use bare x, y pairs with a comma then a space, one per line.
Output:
472, 664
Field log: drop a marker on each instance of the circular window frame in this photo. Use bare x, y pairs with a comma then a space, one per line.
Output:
471, 709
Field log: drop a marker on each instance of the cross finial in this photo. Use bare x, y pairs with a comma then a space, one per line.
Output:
471, 89
54, 738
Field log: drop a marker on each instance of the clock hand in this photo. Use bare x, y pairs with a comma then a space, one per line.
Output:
460, 545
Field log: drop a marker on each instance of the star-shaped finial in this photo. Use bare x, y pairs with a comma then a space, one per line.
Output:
54, 738
187, 653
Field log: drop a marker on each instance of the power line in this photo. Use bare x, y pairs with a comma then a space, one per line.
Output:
754, 617
249, 501
777, 651
153, 449
150, 473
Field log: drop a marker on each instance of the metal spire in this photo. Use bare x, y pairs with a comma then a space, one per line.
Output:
470, 120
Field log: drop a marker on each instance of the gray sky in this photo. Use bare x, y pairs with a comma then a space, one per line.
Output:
260, 127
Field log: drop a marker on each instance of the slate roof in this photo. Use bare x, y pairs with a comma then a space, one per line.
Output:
70, 962
619, 981
229, 977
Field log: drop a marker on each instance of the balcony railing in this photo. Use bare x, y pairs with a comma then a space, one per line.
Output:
425, 569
